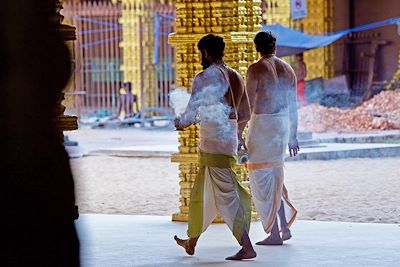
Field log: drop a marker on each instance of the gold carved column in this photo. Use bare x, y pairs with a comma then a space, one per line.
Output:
135, 52
138, 45
236, 21
319, 20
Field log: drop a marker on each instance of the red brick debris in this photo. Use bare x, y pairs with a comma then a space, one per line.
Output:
382, 112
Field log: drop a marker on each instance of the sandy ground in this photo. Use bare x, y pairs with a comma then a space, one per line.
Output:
353, 190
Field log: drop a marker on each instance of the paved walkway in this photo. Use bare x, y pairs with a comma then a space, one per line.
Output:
148, 143
121, 240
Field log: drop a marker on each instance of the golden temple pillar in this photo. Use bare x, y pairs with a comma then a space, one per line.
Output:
319, 20
138, 44
236, 21
137, 47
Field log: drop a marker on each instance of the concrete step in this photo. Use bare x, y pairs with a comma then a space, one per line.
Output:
340, 151
309, 143
304, 136
392, 136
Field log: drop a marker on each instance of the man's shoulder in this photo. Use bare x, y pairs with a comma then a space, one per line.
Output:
233, 72
210, 74
199, 74
198, 78
281, 62
256, 67
210, 71
202, 75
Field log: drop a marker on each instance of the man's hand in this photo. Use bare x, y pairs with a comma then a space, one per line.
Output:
178, 125
293, 147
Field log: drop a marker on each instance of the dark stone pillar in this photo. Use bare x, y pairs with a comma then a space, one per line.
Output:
37, 188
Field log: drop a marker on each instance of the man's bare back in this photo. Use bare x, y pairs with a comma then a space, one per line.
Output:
271, 85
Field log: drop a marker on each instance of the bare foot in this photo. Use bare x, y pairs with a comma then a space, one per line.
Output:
242, 255
271, 241
286, 235
186, 244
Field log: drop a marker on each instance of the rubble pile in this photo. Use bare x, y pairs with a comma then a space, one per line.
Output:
382, 112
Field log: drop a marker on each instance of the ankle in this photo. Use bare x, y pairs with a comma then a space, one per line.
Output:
193, 241
275, 237
247, 249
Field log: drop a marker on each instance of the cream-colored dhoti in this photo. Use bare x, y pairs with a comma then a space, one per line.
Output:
267, 141
216, 188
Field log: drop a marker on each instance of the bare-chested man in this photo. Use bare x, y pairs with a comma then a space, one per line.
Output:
217, 93
271, 86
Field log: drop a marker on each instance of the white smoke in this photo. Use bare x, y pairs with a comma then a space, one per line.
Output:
218, 116
214, 113
178, 100
207, 104
212, 106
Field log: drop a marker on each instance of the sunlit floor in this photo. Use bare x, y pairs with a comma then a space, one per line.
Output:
347, 190
121, 240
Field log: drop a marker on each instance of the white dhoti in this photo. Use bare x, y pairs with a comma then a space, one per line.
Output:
216, 188
267, 141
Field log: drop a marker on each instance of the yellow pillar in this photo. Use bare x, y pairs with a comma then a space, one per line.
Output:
236, 21
319, 20
138, 44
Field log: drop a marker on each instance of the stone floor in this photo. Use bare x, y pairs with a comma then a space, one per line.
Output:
121, 240
148, 143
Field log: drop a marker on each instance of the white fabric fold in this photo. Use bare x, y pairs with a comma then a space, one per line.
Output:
220, 196
268, 137
266, 143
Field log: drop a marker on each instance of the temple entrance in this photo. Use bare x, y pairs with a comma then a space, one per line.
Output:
345, 176
336, 134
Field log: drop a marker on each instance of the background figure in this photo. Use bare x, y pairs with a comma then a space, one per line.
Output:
37, 189
301, 73
126, 101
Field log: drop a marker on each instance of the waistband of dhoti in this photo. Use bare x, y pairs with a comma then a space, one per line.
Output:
282, 113
216, 160
264, 165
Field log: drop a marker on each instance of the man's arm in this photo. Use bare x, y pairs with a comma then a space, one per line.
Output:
293, 117
251, 85
189, 116
247, 103
240, 96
